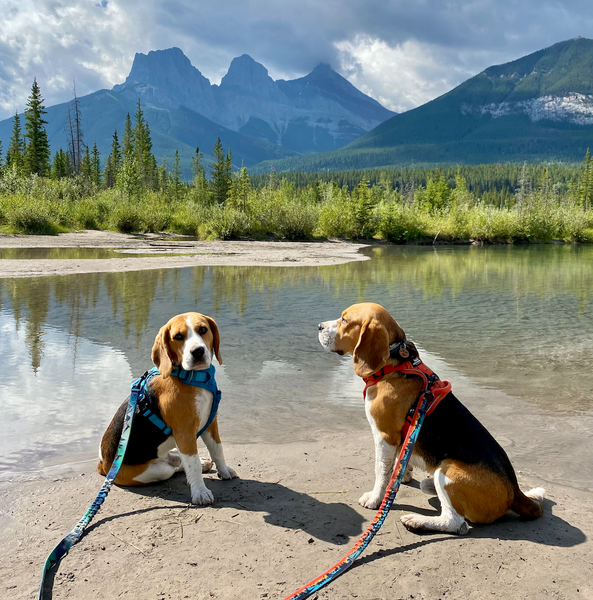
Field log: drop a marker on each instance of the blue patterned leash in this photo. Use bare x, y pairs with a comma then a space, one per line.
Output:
137, 393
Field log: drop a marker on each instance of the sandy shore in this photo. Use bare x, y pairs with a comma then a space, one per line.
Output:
273, 254
293, 514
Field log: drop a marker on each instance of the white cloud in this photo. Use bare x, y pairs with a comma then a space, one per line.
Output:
402, 53
58, 43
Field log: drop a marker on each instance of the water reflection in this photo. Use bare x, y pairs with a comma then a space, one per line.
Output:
510, 319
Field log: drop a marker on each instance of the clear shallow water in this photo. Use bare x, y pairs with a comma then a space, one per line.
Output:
88, 253
512, 327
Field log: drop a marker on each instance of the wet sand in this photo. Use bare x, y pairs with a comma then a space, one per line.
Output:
293, 514
239, 253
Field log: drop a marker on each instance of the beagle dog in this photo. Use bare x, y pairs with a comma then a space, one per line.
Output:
472, 475
189, 341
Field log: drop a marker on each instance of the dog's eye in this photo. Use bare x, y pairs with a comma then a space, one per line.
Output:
178, 337
202, 330
344, 320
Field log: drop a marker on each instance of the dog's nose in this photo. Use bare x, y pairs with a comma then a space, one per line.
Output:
320, 326
198, 353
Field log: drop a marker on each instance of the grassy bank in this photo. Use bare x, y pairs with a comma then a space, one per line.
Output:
438, 209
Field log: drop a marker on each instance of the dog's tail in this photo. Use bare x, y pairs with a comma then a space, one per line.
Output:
529, 505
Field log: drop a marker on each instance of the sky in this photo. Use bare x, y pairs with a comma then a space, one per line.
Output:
402, 53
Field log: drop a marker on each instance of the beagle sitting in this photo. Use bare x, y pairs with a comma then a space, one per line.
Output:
189, 341
472, 475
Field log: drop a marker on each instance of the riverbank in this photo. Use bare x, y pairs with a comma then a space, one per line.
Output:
162, 247
293, 514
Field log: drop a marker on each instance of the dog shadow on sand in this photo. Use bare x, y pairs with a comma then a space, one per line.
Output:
549, 530
333, 522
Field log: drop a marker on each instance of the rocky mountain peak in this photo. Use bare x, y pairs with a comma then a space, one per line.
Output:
247, 76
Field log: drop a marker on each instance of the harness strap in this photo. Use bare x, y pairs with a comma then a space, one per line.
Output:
202, 379
430, 381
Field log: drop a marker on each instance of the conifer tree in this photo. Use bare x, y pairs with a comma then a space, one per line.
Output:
199, 183
142, 146
16, 148
128, 147
61, 165
113, 164
221, 174
37, 153
240, 189
95, 170
175, 176
85, 164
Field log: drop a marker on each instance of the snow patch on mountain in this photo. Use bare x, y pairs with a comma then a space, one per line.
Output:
574, 108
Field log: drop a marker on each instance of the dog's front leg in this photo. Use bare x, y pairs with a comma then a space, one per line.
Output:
384, 459
212, 441
188, 450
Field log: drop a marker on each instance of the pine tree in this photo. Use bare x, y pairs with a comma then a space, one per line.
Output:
221, 174
37, 153
113, 164
16, 148
175, 176
240, 189
142, 147
95, 170
128, 147
61, 165
85, 164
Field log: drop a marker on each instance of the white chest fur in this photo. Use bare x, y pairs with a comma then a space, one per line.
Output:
203, 400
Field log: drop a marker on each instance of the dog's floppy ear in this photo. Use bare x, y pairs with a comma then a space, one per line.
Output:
372, 351
161, 352
216, 335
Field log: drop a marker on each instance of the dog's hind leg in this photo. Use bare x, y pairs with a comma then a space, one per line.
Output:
158, 469
449, 520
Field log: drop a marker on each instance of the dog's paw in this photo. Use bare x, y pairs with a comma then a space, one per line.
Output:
417, 523
226, 473
413, 522
370, 500
206, 464
202, 497
428, 487
174, 459
407, 475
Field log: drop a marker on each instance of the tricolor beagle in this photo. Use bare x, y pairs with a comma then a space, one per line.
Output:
472, 475
190, 341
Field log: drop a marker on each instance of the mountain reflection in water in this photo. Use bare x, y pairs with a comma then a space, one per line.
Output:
515, 321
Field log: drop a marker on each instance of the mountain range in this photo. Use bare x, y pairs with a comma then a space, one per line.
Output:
537, 108
257, 117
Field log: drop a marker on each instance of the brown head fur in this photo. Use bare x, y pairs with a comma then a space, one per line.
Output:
366, 330
167, 351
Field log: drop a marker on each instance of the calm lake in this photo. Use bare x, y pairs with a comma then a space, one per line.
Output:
511, 327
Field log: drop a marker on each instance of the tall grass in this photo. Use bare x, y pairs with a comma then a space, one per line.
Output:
321, 210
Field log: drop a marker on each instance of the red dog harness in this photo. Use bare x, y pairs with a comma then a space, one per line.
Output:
430, 380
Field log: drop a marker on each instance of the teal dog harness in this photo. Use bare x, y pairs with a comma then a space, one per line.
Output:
202, 379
